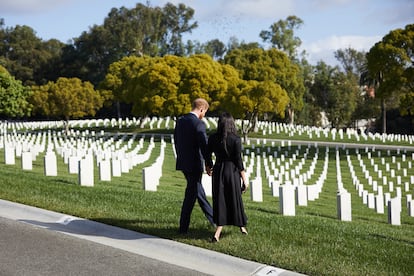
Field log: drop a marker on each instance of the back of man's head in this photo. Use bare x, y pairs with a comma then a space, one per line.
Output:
200, 103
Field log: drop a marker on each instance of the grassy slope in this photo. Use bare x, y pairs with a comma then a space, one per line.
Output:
312, 242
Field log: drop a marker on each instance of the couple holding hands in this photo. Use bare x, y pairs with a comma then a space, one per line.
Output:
194, 151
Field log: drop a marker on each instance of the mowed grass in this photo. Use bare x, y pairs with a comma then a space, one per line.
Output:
313, 242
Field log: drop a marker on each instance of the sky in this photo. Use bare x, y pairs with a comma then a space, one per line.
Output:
328, 25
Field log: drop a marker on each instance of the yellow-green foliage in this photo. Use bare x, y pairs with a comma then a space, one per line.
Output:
167, 85
66, 98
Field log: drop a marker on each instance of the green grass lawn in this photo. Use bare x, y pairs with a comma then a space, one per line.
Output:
313, 242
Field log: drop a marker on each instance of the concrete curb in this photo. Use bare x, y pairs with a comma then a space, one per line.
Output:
199, 259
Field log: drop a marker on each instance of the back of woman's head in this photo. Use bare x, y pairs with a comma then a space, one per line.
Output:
226, 124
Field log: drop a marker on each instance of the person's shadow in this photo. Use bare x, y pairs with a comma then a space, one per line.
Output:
84, 227
105, 228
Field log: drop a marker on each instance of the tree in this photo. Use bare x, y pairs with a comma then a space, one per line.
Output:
89, 56
335, 94
310, 114
290, 77
51, 65
25, 55
66, 98
253, 100
177, 21
142, 30
120, 75
342, 100
136, 31
390, 69
202, 77
166, 85
270, 65
154, 91
215, 48
13, 96
354, 63
281, 35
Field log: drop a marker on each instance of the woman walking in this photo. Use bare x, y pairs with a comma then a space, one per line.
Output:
228, 176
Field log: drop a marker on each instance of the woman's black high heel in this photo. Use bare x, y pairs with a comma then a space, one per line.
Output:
214, 239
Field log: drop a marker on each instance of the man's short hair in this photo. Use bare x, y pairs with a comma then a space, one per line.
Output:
200, 103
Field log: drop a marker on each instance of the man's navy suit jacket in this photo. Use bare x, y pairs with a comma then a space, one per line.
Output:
190, 140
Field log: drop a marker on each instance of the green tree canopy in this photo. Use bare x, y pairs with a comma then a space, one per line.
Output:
282, 36
270, 65
354, 64
253, 99
215, 48
176, 21
27, 57
13, 96
142, 30
335, 93
155, 89
67, 98
167, 85
391, 71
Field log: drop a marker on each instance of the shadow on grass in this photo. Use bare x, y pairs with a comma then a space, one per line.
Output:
118, 229
321, 215
162, 232
393, 239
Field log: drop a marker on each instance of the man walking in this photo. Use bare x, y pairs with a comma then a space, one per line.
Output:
190, 140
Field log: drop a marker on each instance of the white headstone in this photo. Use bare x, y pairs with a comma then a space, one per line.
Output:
379, 203
256, 193
313, 191
124, 165
105, 170
149, 179
344, 208
371, 200
394, 211
9, 155
50, 164
287, 200
275, 188
301, 195
27, 162
73, 164
206, 181
116, 167
86, 169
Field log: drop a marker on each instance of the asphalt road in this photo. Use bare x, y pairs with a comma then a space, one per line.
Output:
29, 250
41, 242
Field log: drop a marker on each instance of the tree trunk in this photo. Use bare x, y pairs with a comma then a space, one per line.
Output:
291, 114
118, 109
384, 116
66, 124
245, 131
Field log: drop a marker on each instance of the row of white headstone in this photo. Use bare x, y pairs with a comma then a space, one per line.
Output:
290, 185
265, 127
146, 122
375, 197
79, 154
311, 132
295, 190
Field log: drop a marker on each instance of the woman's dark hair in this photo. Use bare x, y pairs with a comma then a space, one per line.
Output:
225, 126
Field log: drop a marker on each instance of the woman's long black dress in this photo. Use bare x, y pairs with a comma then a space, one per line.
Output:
228, 206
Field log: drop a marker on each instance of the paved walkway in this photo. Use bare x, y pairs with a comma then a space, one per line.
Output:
41, 242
